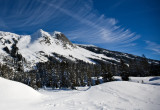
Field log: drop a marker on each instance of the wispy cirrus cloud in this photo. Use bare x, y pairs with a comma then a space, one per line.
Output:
153, 46
77, 19
93, 26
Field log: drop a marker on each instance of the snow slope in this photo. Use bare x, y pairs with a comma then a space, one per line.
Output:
17, 96
117, 95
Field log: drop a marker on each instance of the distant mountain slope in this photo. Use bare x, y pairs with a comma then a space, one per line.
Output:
115, 54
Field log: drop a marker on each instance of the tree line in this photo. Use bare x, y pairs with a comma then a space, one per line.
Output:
69, 74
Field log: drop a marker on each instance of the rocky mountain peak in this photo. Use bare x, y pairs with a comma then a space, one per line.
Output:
38, 34
60, 36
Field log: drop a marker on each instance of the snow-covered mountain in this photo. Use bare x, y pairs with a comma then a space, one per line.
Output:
41, 45
38, 46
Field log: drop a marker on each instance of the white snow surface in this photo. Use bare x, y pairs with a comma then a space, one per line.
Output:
117, 95
152, 80
17, 96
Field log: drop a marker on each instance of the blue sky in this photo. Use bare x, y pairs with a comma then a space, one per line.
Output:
131, 26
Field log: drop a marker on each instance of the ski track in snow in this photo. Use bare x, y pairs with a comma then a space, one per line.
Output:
116, 95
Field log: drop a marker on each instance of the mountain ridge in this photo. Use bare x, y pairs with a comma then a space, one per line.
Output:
40, 45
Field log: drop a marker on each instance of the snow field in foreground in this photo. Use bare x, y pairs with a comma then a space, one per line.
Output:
17, 96
117, 95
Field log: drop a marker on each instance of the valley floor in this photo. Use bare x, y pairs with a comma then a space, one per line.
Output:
117, 95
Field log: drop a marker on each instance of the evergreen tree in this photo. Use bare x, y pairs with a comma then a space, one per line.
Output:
124, 71
107, 73
144, 66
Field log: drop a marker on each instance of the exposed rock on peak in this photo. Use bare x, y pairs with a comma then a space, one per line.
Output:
60, 36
